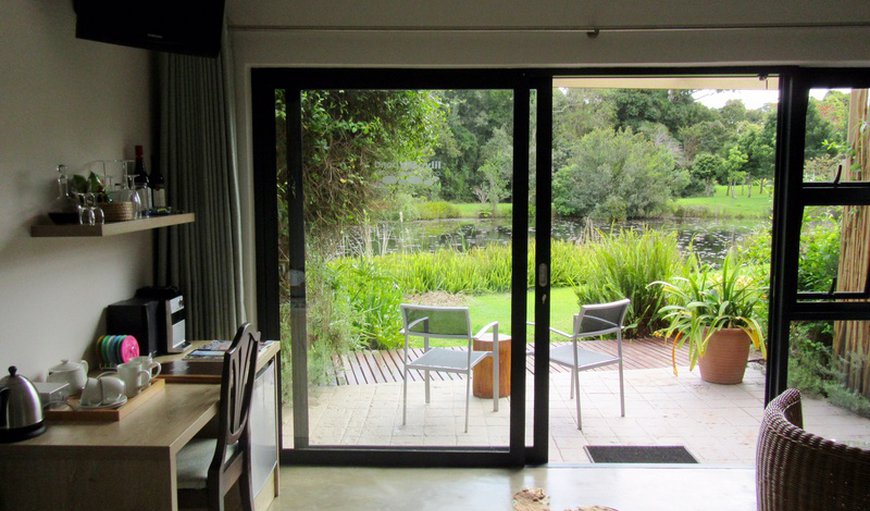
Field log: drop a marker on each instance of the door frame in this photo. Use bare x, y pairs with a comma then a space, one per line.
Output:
263, 84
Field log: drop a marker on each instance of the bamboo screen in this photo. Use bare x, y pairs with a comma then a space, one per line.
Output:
852, 338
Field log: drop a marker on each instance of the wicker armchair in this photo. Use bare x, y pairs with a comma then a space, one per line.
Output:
799, 471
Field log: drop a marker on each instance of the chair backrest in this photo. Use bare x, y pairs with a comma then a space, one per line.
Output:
800, 471
601, 318
431, 321
237, 386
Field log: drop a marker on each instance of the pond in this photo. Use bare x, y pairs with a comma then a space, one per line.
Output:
710, 237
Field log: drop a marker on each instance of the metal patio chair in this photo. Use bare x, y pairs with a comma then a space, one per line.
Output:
445, 323
592, 321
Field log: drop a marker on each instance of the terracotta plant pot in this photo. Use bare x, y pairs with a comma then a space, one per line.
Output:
724, 361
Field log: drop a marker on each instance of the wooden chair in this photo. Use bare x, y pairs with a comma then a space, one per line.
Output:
799, 471
208, 467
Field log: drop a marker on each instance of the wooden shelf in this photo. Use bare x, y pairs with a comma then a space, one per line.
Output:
110, 229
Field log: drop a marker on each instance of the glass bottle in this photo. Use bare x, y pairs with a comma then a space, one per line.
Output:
63, 207
142, 181
158, 190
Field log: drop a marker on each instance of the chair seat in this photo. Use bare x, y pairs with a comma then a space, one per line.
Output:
585, 358
193, 460
441, 359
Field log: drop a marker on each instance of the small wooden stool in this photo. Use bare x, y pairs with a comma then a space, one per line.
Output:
482, 372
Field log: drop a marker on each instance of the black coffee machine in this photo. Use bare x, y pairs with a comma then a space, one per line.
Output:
155, 317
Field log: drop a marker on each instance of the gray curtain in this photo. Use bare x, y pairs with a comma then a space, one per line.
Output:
198, 158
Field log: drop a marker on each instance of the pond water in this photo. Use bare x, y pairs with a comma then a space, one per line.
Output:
710, 237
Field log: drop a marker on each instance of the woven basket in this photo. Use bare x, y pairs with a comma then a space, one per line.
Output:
118, 211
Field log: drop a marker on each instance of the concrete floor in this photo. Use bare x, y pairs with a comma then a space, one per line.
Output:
718, 424
638, 488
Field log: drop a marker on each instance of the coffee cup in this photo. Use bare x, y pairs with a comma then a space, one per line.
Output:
134, 378
113, 389
103, 390
92, 394
146, 363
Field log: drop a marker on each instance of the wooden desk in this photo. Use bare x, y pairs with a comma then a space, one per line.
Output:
119, 466
125, 465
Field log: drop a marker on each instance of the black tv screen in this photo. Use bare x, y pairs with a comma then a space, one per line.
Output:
193, 27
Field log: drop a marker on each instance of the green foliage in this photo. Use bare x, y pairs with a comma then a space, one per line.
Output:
614, 175
705, 168
621, 265
436, 210
472, 119
707, 300
812, 368
349, 136
819, 250
374, 300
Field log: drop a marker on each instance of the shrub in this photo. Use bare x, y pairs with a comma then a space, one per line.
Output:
374, 299
615, 175
622, 265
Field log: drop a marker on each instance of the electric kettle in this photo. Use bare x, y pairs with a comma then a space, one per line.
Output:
20, 408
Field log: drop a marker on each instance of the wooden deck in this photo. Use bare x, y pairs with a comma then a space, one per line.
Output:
385, 366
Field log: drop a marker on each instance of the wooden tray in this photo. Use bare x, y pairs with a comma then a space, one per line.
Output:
70, 413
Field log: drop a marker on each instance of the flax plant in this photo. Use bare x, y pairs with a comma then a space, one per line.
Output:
708, 300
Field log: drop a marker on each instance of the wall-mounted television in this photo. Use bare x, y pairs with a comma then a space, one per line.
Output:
193, 27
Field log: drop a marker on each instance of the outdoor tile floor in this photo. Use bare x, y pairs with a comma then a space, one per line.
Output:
718, 424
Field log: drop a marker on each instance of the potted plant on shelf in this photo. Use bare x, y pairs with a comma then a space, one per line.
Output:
714, 312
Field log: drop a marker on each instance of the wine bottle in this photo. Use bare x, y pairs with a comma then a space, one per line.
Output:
141, 180
158, 189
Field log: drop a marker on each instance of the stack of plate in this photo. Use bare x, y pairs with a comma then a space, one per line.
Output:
117, 349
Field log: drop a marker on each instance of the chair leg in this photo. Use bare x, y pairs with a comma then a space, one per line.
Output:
426, 377
405, 395
576, 388
495, 380
467, 396
621, 390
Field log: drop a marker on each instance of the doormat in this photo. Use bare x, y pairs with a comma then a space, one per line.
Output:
639, 454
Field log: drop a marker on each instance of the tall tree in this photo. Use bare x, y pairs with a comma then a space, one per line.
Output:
473, 117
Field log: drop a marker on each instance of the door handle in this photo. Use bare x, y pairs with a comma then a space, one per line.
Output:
543, 275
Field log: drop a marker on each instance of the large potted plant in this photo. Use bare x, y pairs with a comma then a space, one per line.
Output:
714, 311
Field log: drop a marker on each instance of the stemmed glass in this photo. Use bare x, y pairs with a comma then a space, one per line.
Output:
126, 189
89, 212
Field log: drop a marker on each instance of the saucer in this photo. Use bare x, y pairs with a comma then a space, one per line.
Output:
116, 404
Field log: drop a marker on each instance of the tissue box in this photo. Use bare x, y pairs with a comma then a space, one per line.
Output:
51, 392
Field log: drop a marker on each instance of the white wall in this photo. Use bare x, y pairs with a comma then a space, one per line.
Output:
62, 100
520, 34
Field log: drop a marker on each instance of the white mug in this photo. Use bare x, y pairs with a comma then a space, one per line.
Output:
113, 389
147, 364
92, 394
103, 390
134, 377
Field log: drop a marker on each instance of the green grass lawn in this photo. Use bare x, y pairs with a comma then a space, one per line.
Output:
721, 204
485, 309
474, 209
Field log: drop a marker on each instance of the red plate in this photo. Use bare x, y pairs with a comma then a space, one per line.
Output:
129, 348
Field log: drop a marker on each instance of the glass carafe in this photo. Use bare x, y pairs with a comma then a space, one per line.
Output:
62, 209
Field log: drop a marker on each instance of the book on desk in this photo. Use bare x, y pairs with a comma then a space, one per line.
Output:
201, 365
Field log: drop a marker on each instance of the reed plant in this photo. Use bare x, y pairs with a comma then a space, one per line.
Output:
621, 265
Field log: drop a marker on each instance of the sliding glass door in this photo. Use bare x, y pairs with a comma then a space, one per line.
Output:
383, 189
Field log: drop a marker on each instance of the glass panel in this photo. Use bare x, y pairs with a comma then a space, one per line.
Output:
834, 249
836, 122
407, 200
645, 180
830, 363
